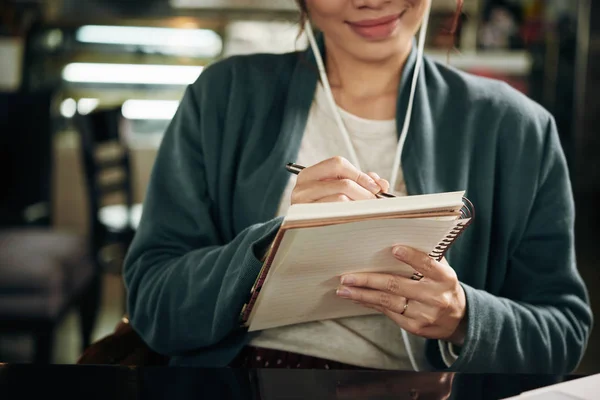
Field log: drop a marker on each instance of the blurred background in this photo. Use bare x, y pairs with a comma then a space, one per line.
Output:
87, 88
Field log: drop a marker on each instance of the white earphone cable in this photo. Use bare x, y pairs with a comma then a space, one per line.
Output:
402, 140
336, 114
407, 116
403, 134
329, 95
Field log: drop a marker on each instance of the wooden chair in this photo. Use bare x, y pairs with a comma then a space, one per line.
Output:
44, 273
105, 155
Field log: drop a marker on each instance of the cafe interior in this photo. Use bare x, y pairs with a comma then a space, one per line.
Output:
88, 87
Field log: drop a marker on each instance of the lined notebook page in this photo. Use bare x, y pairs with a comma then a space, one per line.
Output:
304, 275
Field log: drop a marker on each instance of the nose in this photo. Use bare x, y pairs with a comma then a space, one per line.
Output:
374, 4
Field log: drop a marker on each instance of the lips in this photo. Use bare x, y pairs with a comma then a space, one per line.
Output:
374, 22
376, 29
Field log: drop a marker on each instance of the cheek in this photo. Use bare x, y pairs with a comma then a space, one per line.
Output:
421, 4
327, 15
416, 14
321, 9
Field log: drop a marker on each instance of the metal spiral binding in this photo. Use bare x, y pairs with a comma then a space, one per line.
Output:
467, 212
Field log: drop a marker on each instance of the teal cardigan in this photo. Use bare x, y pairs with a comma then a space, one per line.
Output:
210, 209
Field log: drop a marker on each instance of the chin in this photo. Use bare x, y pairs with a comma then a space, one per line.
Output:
383, 50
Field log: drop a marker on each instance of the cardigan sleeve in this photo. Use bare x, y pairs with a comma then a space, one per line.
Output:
542, 320
186, 286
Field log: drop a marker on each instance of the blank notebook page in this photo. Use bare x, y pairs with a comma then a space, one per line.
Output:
305, 272
415, 203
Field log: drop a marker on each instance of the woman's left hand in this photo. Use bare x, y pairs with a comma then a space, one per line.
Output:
433, 307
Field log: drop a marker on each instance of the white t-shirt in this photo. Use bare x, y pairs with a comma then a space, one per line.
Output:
372, 341
374, 142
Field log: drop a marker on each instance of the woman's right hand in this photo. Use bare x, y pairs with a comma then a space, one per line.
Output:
334, 180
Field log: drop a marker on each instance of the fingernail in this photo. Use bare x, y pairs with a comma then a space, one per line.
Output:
400, 252
348, 280
343, 292
373, 186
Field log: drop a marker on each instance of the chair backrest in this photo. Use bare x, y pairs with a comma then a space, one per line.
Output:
26, 132
106, 162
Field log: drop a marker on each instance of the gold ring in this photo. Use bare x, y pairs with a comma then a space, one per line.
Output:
405, 307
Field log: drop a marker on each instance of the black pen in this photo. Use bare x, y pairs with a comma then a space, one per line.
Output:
295, 169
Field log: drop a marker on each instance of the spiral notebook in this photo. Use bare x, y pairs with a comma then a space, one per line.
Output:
317, 243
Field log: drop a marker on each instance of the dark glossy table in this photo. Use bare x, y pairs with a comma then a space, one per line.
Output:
108, 382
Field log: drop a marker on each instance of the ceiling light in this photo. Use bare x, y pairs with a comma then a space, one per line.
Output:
86, 106
131, 73
68, 108
207, 43
268, 5
150, 109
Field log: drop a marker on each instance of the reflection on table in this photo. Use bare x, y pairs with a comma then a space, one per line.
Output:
107, 382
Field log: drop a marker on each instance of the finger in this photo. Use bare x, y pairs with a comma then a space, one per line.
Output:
338, 168
371, 306
415, 326
405, 322
423, 264
312, 191
376, 298
415, 319
336, 198
393, 284
383, 184
423, 314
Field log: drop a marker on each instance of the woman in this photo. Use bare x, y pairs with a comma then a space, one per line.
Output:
507, 299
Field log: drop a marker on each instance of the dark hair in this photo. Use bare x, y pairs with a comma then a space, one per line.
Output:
303, 13
453, 29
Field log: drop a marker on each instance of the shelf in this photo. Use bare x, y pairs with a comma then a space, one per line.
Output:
504, 62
